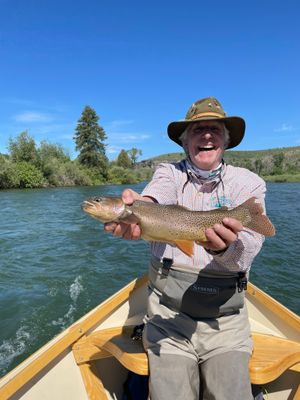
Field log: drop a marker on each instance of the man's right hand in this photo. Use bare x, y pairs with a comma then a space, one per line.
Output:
121, 229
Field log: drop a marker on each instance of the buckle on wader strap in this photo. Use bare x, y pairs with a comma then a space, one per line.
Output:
242, 281
166, 265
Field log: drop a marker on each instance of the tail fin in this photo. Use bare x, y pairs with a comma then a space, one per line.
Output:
259, 222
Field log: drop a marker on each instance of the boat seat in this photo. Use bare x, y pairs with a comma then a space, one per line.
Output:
271, 356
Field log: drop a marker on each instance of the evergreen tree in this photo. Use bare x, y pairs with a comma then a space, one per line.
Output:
123, 160
89, 138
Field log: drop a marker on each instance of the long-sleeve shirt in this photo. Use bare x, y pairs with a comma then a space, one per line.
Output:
176, 184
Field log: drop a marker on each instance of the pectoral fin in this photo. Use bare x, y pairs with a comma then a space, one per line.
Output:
186, 246
130, 219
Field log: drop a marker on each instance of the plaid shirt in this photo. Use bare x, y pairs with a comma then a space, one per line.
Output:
175, 184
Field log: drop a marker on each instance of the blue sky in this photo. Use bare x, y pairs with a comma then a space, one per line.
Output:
140, 65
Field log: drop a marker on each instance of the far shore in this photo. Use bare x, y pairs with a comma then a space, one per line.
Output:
284, 178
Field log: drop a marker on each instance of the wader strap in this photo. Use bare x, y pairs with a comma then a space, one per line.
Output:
242, 281
166, 265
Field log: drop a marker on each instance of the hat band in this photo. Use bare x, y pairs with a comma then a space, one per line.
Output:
207, 114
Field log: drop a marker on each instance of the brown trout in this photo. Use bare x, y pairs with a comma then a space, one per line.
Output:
176, 224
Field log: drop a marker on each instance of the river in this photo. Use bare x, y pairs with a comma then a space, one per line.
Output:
56, 263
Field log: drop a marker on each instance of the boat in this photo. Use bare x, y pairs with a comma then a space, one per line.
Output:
93, 358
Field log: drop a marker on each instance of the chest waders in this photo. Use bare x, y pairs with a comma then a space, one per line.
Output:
204, 294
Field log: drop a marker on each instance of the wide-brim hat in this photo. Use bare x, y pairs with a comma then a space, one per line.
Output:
209, 108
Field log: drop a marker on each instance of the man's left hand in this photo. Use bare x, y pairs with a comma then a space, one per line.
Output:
221, 236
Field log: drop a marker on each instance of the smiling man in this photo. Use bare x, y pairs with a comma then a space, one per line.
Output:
197, 333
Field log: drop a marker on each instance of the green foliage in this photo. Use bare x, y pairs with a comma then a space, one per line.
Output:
28, 176
144, 174
72, 174
89, 138
23, 148
134, 153
120, 176
123, 160
48, 151
8, 174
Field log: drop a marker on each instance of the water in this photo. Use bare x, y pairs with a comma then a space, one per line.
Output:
56, 263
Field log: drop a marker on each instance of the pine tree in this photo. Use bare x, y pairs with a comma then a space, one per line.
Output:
89, 138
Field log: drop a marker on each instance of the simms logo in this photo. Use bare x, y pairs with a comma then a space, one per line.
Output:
205, 289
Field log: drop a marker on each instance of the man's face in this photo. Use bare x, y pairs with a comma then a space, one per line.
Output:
205, 144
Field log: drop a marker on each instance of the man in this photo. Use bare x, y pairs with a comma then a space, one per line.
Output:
197, 332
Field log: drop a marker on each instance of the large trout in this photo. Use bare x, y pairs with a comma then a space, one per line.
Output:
176, 224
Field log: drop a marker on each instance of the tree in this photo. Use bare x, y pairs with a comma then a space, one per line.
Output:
23, 148
123, 160
89, 138
278, 163
134, 154
48, 151
28, 175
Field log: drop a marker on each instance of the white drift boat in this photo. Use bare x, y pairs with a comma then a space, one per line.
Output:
91, 359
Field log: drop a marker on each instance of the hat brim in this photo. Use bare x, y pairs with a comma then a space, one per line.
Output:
235, 125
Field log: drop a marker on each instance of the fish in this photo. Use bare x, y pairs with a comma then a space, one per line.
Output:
175, 224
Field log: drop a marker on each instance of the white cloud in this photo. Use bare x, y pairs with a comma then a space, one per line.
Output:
33, 116
119, 123
285, 128
113, 149
66, 129
128, 137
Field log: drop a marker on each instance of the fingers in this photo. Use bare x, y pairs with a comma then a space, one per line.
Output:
129, 196
233, 224
127, 231
110, 226
220, 236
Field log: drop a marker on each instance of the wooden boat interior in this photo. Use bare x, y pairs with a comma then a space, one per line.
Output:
92, 358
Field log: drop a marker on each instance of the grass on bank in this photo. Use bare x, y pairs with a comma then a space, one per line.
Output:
288, 178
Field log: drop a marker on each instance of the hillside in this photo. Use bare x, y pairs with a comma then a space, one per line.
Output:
280, 164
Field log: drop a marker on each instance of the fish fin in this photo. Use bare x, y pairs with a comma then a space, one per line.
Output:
130, 219
259, 222
223, 208
186, 246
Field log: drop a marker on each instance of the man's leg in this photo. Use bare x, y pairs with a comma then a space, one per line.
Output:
173, 377
226, 377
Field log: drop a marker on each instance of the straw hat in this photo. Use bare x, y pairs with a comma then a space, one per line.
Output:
209, 108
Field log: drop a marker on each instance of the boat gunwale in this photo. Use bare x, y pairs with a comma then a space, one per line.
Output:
39, 360
35, 364
282, 312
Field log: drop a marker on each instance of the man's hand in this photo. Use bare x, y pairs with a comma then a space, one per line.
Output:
221, 236
127, 231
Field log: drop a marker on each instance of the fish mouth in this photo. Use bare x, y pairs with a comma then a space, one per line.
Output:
87, 204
